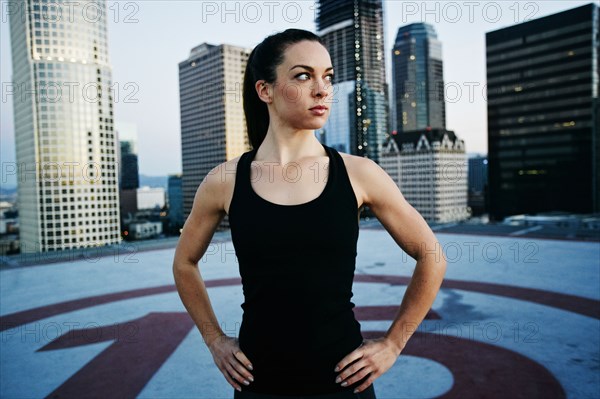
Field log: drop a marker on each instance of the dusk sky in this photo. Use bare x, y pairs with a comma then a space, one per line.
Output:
147, 40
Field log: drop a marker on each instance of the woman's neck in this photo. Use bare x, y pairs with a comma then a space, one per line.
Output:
284, 148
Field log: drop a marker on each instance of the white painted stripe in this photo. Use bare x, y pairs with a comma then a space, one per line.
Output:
525, 231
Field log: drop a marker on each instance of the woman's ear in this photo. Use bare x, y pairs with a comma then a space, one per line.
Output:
263, 91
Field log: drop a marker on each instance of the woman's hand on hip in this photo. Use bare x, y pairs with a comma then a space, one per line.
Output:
232, 362
373, 358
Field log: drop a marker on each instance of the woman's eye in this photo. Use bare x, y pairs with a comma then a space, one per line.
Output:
305, 73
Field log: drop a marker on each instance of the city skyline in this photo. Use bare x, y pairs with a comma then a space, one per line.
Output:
139, 52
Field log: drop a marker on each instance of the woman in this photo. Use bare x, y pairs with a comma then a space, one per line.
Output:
293, 206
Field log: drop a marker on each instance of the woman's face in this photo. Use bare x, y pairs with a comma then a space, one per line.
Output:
304, 80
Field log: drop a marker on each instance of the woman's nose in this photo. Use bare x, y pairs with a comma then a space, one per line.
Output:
320, 88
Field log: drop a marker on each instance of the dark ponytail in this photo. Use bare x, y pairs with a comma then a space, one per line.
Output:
262, 64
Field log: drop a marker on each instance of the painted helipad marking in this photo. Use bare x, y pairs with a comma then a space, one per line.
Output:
476, 366
525, 231
572, 303
128, 365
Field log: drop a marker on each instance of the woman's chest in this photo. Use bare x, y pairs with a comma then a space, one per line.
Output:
320, 228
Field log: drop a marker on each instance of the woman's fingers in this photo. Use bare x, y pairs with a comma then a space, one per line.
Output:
243, 359
352, 356
232, 362
238, 364
354, 373
365, 384
236, 376
230, 380
376, 356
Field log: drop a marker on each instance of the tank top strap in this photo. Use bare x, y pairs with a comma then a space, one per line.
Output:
243, 171
242, 186
342, 186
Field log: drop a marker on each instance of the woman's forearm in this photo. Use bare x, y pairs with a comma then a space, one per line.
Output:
418, 299
194, 296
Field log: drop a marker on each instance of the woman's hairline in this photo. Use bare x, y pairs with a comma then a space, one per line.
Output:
286, 47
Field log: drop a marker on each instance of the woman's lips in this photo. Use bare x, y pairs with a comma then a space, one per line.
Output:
318, 111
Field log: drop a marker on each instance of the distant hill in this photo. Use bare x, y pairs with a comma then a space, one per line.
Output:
154, 181
8, 193
6, 189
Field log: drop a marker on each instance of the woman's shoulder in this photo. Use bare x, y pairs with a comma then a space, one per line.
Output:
219, 174
354, 163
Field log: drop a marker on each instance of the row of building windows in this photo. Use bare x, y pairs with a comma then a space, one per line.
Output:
79, 190
534, 50
93, 206
491, 48
72, 199
46, 183
59, 216
37, 51
58, 233
545, 59
74, 240
46, 29
54, 229
583, 89
80, 223
49, 182
543, 117
563, 79
538, 129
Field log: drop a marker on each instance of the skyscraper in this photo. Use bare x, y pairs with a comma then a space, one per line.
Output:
65, 144
418, 79
478, 183
353, 32
543, 120
129, 177
175, 198
427, 162
213, 128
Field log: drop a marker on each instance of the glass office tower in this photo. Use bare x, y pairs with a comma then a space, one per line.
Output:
418, 79
543, 126
353, 31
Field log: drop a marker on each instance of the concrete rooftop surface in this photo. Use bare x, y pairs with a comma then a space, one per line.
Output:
516, 317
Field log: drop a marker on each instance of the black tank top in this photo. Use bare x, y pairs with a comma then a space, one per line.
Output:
297, 266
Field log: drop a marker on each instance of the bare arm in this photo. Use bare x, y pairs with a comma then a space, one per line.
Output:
205, 216
207, 212
411, 232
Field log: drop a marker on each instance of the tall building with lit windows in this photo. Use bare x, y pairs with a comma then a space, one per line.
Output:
418, 79
63, 113
213, 127
543, 117
353, 32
